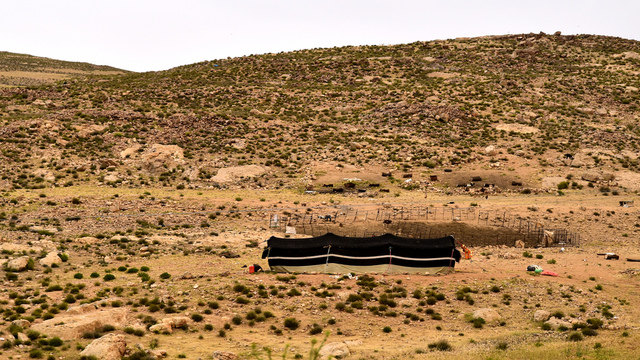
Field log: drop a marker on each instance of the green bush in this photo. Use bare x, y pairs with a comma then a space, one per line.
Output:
386, 329
575, 336
109, 277
196, 317
95, 275
78, 276
291, 323
165, 275
442, 345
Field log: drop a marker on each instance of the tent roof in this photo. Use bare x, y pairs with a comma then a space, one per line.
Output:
361, 242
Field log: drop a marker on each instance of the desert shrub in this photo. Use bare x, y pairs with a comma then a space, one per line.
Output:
236, 320
242, 300
196, 317
387, 329
315, 329
165, 275
95, 275
527, 254
478, 323
442, 345
109, 277
502, 345
291, 323
78, 276
36, 354
33, 335
595, 323
251, 315
55, 342
575, 336
208, 327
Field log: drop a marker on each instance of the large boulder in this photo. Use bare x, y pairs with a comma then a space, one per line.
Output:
176, 321
591, 176
162, 328
487, 314
18, 264
50, 259
490, 150
109, 347
234, 173
162, 157
335, 350
556, 323
77, 321
541, 315
129, 152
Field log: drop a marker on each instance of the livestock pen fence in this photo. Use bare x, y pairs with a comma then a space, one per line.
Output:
474, 226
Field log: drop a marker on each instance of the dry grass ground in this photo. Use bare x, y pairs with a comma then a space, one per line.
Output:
586, 282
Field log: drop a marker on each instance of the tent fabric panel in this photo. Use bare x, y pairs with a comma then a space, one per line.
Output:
407, 262
362, 252
373, 269
355, 242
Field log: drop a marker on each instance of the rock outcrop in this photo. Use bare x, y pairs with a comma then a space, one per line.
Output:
108, 347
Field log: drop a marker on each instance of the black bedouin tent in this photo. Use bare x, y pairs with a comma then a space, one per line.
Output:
387, 253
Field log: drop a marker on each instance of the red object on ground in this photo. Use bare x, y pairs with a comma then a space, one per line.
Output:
549, 273
251, 269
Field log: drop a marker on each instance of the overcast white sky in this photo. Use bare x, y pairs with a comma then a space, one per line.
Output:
146, 35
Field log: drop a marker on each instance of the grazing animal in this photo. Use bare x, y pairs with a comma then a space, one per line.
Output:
325, 217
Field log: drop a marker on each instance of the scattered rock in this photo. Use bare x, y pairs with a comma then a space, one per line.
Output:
158, 354
224, 355
108, 347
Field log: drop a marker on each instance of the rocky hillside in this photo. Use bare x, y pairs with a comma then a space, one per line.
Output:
529, 106
27, 70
